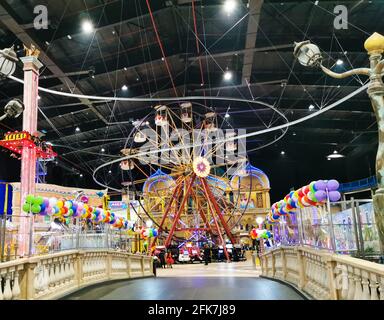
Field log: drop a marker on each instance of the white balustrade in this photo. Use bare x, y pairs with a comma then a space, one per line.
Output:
324, 275
10, 276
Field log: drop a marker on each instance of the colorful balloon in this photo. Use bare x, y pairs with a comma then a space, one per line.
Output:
333, 185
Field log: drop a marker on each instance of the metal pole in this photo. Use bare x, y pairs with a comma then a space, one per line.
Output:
31, 217
333, 241
360, 233
3, 225
353, 203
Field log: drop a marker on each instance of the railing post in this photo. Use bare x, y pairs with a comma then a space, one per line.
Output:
27, 281
109, 264
331, 266
129, 266
142, 265
300, 263
283, 264
273, 264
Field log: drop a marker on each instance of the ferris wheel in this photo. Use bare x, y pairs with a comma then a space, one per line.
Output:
185, 171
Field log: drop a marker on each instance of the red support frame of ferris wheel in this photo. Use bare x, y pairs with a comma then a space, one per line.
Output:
175, 195
212, 199
178, 214
211, 202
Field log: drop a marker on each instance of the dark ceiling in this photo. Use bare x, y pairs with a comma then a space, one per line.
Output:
124, 50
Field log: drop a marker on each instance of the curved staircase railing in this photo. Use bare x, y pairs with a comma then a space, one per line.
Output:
324, 275
52, 276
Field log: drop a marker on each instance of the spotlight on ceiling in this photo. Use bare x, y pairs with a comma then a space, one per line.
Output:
311, 107
87, 26
335, 155
102, 150
81, 175
77, 129
227, 115
227, 75
339, 62
282, 153
110, 171
124, 88
229, 6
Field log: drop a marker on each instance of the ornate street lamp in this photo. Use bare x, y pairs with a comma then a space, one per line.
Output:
13, 109
309, 55
8, 59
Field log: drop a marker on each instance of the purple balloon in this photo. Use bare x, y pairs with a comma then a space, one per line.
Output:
334, 196
320, 185
320, 195
332, 185
46, 202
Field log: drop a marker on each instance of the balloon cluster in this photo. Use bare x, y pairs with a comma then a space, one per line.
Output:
314, 194
260, 234
75, 209
148, 232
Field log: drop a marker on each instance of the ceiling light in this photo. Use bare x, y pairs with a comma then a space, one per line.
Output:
125, 68
294, 133
162, 59
282, 153
137, 79
147, 123
311, 107
229, 6
227, 115
109, 171
102, 150
339, 62
335, 155
69, 37
81, 175
227, 75
87, 26
77, 129
124, 88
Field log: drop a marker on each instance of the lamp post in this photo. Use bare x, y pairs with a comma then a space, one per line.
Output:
309, 55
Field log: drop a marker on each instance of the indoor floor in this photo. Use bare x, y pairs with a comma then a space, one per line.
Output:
217, 281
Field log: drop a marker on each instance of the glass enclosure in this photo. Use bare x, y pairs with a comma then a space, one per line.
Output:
345, 227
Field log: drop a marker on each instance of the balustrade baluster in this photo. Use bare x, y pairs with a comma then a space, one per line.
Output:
1, 290
374, 285
352, 286
7, 287
365, 284
16, 287
381, 288
358, 287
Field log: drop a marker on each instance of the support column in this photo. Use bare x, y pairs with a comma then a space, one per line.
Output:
28, 156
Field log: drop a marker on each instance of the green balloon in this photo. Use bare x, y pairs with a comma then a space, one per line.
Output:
36, 208
38, 200
30, 198
26, 207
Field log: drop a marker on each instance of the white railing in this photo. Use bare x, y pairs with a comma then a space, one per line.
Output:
324, 275
52, 276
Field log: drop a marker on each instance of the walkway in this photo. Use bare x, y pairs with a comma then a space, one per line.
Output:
217, 281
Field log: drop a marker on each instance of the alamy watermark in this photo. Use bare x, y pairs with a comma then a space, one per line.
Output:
341, 19
41, 20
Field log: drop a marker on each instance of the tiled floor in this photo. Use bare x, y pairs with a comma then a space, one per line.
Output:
221, 281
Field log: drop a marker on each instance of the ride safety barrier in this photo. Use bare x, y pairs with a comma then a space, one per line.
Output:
324, 275
53, 276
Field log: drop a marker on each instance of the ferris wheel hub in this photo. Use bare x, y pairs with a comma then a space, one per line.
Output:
201, 167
